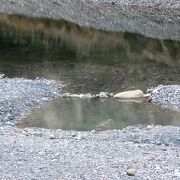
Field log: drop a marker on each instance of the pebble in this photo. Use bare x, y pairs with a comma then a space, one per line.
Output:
131, 172
167, 96
79, 137
52, 136
74, 96
103, 95
81, 96
88, 96
149, 127
177, 173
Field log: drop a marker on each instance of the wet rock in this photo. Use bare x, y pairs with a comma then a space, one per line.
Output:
74, 96
66, 95
146, 95
88, 96
129, 94
131, 172
1, 76
97, 96
81, 96
103, 95
149, 127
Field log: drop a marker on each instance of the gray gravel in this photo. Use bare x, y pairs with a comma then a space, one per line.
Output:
141, 152
148, 152
18, 96
167, 96
153, 18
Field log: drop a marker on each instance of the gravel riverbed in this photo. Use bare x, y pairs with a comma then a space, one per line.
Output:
144, 152
139, 152
167, 96
18, 96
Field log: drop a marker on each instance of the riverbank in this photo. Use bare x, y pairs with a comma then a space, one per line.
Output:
150, 152
166, 96
19, 96
157, 19
144, 152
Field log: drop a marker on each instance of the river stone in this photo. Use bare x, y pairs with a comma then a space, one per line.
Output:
130, 94
88, 96
131, 172
103, 95
74, 96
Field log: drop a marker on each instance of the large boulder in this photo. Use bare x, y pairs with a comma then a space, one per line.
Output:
130, 94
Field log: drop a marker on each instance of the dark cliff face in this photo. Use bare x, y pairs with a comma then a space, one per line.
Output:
158, 19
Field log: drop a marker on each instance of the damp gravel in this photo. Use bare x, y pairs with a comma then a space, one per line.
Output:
167, 96
148, 152
18, 96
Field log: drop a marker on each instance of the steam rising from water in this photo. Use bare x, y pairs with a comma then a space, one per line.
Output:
79, 114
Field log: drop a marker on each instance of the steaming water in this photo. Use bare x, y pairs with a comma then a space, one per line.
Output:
92, 61
99, 115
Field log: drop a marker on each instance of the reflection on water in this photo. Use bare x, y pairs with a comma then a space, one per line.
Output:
84, 42
88, 60
100, 115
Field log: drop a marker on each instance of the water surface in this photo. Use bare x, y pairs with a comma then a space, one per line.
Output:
104, 114
88, 60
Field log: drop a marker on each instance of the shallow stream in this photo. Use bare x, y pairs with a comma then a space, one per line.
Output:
88, 60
